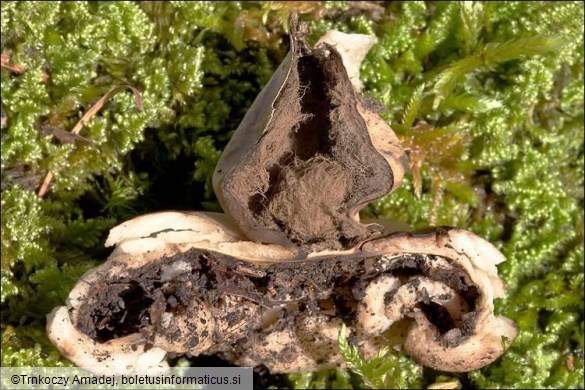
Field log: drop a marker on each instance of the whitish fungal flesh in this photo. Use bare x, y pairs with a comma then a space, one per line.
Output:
273, 281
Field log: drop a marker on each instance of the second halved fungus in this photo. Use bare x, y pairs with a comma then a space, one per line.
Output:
274, 280
192, 284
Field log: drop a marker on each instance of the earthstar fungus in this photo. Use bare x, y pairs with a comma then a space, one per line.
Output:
308, 155
273, 280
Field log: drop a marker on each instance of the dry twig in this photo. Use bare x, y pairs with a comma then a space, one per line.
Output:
90, 114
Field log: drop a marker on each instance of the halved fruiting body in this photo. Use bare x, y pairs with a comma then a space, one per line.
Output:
308, 156
273, 281
200, 288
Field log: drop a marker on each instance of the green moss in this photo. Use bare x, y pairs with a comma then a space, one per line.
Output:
487, 96
29, 347
386, 370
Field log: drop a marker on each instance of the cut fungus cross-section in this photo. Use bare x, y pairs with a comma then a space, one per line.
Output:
274, 280
191, 284
307, 156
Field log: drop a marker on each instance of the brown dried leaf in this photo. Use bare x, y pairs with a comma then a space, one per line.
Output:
416, 159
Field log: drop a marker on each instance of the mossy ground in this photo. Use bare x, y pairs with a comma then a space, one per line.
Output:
487, 97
